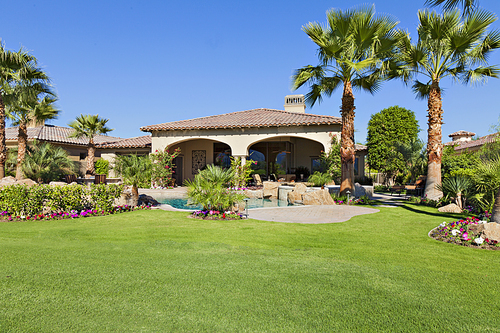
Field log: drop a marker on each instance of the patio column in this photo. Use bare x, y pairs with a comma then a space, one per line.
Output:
243, 158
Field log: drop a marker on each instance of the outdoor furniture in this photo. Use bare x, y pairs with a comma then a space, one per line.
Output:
257, 180
418, 187
397, 189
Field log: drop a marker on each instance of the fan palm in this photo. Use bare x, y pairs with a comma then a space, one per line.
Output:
487, 179
29, 101
45, 162
11, 69
88, 126
468, 5
354, 50
135, 170
447, 46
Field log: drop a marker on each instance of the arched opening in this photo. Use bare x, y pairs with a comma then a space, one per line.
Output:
283, 157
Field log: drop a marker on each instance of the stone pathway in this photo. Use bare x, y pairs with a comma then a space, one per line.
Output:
309, 214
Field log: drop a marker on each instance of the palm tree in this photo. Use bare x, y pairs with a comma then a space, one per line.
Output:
354, 51
414, 157
447, 46
135, 170
45, 162
29, 101
11, 64
468, 5
88, 126
487, 179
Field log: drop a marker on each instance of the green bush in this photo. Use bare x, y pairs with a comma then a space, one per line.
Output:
101, 167
31, 200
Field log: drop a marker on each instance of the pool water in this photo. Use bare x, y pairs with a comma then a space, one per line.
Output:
182, 203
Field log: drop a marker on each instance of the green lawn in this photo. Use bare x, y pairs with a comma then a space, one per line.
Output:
156, 271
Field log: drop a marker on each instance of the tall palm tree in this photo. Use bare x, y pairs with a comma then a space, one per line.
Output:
448, 46
11, 64
354, 50
29, 101
88, 126
468, 5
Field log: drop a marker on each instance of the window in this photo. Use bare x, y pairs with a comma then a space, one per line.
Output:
83, 156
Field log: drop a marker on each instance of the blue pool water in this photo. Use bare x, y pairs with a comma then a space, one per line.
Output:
182, 203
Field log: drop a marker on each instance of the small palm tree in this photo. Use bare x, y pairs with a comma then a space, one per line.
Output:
354, 49
414, 156
320, 179
135, 170
45, 162
88, 126
447, 46
487, 179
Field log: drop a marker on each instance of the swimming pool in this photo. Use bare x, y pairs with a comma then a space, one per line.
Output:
182, 203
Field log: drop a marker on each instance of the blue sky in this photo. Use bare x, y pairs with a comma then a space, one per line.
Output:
147, 62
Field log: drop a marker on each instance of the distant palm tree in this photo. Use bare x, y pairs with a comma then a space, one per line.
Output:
447, 46
29, 101
487, 179
354, 50
467, 5
11, 68
88, 126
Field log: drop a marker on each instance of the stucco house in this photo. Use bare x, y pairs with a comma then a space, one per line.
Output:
106, 146
462, 141
278, 140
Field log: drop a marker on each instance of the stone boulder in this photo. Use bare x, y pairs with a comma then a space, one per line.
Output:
359, 190
296, 194
26, 181
490, 230
451, 208
147, 200
239, 207
7, 181
58, 184
258, 194
126, 198
270, 190
321, 197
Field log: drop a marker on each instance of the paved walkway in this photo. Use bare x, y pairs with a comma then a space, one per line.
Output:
309, 214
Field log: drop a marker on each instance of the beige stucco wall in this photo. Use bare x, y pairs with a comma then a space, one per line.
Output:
241, 139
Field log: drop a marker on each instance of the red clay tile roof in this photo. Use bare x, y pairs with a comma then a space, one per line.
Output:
138, 142
52, 133
460, 145
358, 147
246, 119
462, 133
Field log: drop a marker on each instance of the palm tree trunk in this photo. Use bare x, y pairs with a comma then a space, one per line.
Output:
347, 152
434, 144
90, 171
3, 146
495, 213
22, 141
135, 195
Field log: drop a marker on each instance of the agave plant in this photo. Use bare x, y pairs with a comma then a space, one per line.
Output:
209, 189
456, 188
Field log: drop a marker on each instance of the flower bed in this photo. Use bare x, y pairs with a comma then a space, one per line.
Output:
6, 217
464, 232
215, 215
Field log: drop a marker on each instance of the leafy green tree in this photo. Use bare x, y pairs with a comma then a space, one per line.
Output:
29, 100
413, 153
448, 46
454, 164
354, 50
135, 170
11, 69
330, 161
387, 128
88, 126
45, 162
487, 179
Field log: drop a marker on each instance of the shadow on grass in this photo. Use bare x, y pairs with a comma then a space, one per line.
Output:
412, 209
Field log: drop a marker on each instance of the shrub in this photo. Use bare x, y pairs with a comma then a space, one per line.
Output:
319, 179
101, 167
301, 170
163, 167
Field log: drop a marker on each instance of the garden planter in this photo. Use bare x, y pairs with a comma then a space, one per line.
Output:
100, 179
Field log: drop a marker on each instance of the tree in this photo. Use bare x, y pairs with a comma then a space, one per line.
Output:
11, 64
88, 126
135, 170
386, 129
468, 5
29, 100
487, 179
45, 162
354, 50
447, 46
414, 156
331, 162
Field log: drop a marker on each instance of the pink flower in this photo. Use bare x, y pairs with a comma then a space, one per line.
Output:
465, 236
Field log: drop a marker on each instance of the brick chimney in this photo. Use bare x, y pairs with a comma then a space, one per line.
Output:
295, 103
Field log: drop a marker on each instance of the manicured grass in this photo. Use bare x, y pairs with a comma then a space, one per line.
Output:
156, 271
